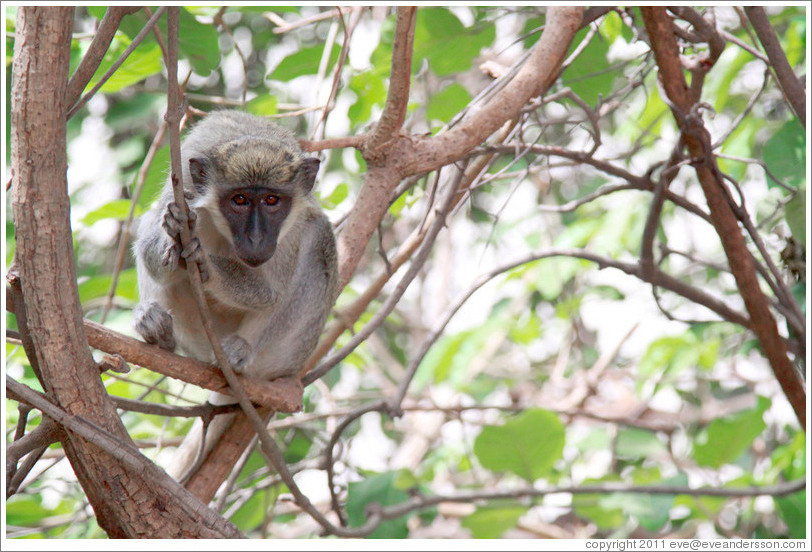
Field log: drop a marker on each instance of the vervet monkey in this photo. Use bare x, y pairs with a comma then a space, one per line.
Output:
265, 248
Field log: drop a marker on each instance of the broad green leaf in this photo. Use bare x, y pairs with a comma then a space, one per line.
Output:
262, 105
796, 216
251, 514
526, 331
448, 102
302, 62
370, 91
489, 522
99, 286
198, 43
527, 445
335, 198
590, 506
23, 509
116, 209
652, 511
155, 179
438, 33
785, 154
143, 62
793, 512
635, 443
586, 76
736, 431
297, 448
382, 489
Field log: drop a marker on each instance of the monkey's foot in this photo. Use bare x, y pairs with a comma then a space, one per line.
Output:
155, 325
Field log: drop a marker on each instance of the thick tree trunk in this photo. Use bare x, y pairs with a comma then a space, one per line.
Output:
127, 504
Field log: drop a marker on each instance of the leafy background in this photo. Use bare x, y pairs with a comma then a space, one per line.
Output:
557, 374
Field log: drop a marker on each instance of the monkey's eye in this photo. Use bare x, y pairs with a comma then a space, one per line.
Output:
271, 200
240, 199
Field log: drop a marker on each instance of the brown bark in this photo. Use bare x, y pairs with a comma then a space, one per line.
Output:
390, 159
791, 85
696, 137
125, 502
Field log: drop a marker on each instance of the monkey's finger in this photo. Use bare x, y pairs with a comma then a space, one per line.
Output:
174, 219
171, 256
194, 252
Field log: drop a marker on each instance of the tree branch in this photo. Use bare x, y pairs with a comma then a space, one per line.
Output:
122, 58
96, 51
124, 451
697, 140
791, 85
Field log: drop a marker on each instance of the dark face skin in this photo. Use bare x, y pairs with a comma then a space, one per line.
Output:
255, 215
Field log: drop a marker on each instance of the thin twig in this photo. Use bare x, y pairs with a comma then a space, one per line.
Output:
122, 58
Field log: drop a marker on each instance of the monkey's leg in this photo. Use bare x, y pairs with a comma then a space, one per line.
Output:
218, 464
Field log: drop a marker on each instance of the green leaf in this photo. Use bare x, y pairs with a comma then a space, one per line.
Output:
370, 91
793, 512
586, 75
381, 489
527, 445
335, 198
438, 33
302, 62
99, 286
297, 448
736, 431
155, 179
117, 209
635, 443
448, 102
25, 510
143, 62
198, 43
785, 154
796, 216
251, 514
489, 522
590, 506
262, 105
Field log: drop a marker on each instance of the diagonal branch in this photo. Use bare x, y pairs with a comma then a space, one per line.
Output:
697, 140
791, 85
96, 51
124, 452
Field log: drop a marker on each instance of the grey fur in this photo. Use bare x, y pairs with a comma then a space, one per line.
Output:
268, 318
277, 309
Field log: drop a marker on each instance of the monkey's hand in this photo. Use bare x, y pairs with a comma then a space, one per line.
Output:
238, 352
155, 325
174, 220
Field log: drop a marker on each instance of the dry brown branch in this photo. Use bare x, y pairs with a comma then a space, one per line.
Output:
122, 58
790, 84
96, 51
125, 452
127, 502
697, 140
392, 157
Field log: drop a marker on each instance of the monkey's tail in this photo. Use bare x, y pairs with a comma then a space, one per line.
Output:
198, 443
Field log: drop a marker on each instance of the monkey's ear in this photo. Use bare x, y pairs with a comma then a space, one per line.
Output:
199, 169
308, 170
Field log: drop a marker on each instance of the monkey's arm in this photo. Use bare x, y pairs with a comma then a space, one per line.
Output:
159, 247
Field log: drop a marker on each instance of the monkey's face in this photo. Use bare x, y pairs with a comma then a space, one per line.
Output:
255, 215
254, 185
